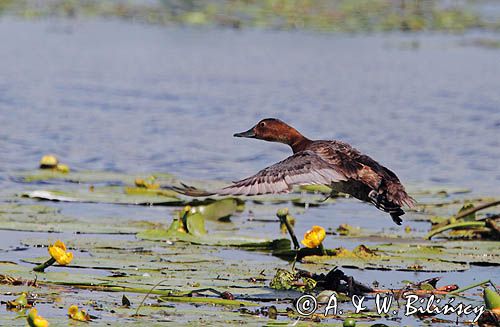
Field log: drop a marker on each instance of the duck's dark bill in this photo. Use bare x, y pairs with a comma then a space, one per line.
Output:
249, 133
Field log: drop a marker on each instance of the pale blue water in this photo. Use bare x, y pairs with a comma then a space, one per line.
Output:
125, 97
119, 96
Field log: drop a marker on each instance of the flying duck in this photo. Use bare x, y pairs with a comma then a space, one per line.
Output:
332, 163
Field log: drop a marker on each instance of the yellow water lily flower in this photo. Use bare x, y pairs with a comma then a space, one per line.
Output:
58, 252
314, 237
76, 314
34, 320
48, 161
72, 310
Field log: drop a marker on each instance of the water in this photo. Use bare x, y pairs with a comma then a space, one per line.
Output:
111, 95
129, 97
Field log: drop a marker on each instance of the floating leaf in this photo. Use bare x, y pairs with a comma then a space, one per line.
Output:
348, 260
491, 298
217, 210
150, 192
316, 189
42, 218
215, 239
114, 195
90, 177
205, 300
461, 252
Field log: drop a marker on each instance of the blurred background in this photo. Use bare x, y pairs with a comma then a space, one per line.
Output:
162, 85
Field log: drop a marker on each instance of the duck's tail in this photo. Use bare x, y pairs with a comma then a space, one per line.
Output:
396, 194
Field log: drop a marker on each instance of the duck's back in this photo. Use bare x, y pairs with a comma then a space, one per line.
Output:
364, 173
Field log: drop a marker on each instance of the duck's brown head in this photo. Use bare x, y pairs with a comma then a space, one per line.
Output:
274, 130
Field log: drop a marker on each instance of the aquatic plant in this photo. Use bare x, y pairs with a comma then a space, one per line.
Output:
58, 254
215, 258
76, 314
314, 237
321, 15
35, 320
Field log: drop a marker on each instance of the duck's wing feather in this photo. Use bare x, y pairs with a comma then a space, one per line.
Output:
302, 168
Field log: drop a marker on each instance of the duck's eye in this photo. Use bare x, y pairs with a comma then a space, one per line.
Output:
262, 124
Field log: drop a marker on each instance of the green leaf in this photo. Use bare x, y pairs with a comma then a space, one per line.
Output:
484, 252
108, 194
195, 224
206, 300
47, 219
89, 177
491, 298
213, 239
217, 210
150, 192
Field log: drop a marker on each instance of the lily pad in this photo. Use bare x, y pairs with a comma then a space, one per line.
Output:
218, 210
113, 195
214, 239
150, 192
36, 218
206, 300
89, 177
399, 263
116, 261
482, 252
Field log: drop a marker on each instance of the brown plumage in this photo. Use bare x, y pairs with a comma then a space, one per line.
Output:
332, 163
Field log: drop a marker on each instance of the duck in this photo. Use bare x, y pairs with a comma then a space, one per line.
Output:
318, 162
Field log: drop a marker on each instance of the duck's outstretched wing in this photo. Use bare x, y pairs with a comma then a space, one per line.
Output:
302, 168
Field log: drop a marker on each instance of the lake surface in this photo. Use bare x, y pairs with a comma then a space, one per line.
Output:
137, 98
118, 96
